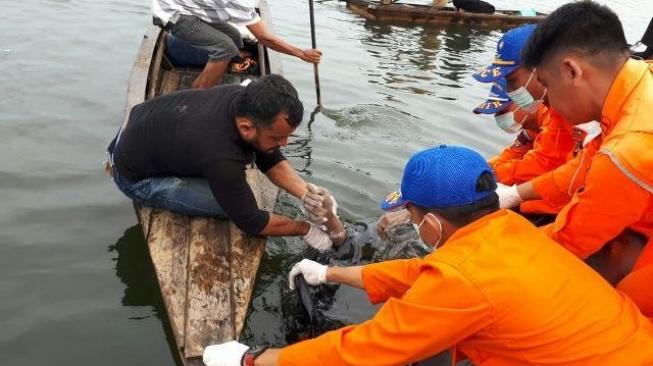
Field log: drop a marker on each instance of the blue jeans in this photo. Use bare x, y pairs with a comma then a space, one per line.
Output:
188, 196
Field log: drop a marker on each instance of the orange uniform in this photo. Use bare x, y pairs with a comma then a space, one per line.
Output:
550, 148
616, 177
499, 291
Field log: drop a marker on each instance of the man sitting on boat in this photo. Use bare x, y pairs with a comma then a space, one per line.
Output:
187, 152
544, 140
590, 77
496, 289
206, 25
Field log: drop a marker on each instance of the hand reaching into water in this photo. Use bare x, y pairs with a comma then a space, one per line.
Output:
390, 221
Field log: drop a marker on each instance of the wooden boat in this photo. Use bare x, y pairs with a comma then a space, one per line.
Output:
205, 267
426, 14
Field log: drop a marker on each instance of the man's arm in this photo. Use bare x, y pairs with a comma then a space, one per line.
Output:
609, 203
282, 226
285, 177
261, 31
558, 186
426, 324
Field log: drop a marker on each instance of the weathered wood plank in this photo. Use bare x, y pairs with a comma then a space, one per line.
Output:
168, 246
247, 251
139, 76
155, 74
169, 82
209, 317
246, 254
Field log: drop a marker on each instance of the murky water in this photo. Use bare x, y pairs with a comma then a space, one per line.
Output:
75, 283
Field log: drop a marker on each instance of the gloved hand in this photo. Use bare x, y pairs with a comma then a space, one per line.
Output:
508, 196
314, 273
225, 354
312, 203
328, 201
390, 220
318, 239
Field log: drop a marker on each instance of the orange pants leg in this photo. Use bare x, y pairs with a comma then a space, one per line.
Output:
638, 285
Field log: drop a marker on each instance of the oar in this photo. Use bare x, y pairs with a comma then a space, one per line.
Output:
315, 72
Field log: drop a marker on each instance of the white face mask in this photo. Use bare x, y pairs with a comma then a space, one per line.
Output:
507, 123
523, 99
418, 227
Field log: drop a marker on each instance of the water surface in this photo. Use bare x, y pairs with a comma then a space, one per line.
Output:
75, 283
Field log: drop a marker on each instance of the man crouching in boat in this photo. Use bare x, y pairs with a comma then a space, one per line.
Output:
497, 290
187, 152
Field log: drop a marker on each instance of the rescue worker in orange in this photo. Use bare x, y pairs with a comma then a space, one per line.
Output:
553, 141
581, 55
511, 120
496, 289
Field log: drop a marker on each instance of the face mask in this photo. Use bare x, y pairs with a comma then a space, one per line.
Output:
523, 99
507, 123
418, 227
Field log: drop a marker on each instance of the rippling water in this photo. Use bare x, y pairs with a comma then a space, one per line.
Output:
75, 283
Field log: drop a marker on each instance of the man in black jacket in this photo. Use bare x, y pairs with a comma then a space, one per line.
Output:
187, 152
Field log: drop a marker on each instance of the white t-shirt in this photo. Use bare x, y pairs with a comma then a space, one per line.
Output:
242, 12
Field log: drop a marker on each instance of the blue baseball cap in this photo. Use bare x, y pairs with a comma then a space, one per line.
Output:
497, 101
440, 177
508, 57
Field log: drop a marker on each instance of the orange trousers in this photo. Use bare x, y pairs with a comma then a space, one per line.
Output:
638, 284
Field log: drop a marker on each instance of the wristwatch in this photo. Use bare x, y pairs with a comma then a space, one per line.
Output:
251, 355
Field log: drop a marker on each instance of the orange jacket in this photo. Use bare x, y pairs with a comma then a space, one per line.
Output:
499, 290
616, 176
550, 149
523, 143
557, 186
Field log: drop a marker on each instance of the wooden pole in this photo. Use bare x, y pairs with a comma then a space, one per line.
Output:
314, 45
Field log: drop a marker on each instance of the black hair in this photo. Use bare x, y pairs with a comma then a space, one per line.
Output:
465, 214
265, 98
585, 27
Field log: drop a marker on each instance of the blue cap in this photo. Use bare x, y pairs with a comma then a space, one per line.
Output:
497, 101
508, 57
440, 177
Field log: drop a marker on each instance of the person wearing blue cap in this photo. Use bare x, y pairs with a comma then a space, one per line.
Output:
511, 120
496, 290
554, 143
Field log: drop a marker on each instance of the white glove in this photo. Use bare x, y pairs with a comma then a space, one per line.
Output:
508, 196
390, 220
318, 239
328, 201
312, 203
314, 273
225, 354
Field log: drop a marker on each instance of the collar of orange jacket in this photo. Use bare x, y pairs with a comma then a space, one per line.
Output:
627, 79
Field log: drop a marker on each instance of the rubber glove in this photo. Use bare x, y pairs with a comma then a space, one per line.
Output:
318, 239
390, 220
225, 354
508, 196
312, 203
314, 273
328, 201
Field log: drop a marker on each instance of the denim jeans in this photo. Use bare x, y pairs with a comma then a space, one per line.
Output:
189, 196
